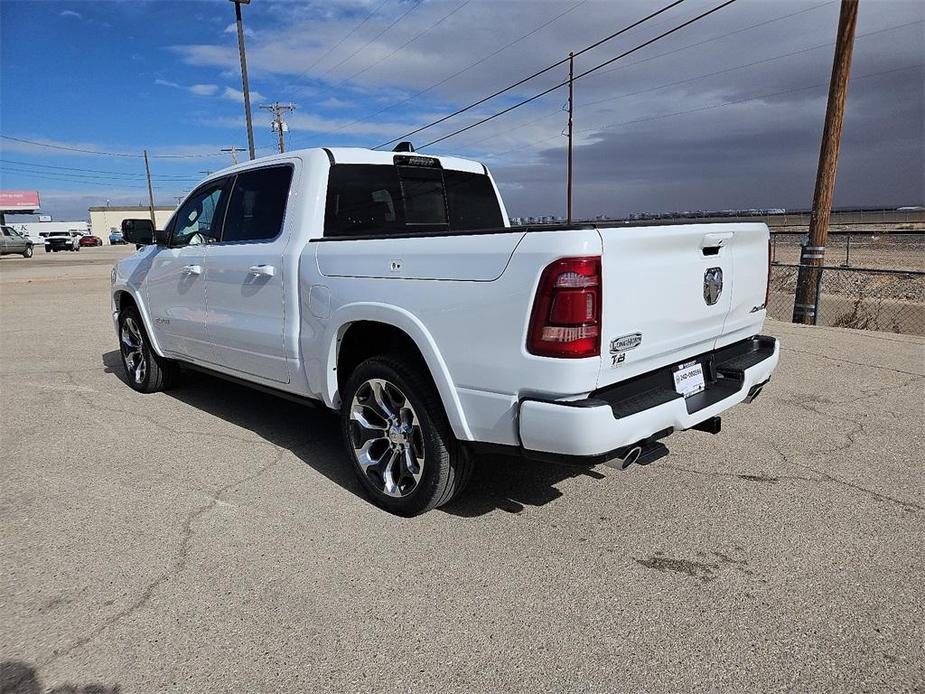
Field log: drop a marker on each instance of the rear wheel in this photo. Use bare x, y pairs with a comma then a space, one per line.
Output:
398, 438
145, 371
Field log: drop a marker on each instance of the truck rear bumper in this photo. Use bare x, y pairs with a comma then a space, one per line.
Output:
646, 406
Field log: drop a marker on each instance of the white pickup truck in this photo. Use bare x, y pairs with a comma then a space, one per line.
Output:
389, 286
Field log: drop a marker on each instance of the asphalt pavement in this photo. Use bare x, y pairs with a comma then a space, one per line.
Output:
213, 539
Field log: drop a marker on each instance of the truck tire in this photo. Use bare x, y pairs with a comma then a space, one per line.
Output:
398, 438
145, 371
28, 252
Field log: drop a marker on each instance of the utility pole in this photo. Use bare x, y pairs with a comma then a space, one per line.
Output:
150, 190
812, 256
246, 88
234, 152
571, 108
279, 125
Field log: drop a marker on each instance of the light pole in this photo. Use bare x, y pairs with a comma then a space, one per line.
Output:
247, 94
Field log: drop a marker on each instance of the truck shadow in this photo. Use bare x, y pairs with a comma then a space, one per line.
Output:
17, 677
313, 435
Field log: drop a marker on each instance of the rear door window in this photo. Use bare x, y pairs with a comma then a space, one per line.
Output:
257, 207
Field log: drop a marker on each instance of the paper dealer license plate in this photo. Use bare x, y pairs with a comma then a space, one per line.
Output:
688, 378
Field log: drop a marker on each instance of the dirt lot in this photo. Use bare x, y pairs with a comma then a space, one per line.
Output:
213, 539
864, 247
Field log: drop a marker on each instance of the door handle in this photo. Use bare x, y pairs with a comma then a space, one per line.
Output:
265, 270
711, 243
192, 269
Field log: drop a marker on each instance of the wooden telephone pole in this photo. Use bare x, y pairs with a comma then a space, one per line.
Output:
571, 106
812, 256
279, 125
150, 191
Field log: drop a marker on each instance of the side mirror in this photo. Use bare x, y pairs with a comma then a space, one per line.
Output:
138, 231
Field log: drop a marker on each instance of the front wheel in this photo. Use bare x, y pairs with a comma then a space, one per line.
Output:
28, 252
145, 371
398, 438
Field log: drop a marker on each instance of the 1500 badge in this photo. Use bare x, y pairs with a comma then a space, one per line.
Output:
621, 345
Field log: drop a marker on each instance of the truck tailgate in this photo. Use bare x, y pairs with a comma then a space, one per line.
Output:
668, 291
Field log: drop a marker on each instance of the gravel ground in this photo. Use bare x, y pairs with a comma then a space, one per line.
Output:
212, 539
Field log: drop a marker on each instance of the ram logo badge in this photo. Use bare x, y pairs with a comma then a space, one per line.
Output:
712, 285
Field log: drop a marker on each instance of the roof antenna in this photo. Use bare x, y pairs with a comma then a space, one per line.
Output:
404, 146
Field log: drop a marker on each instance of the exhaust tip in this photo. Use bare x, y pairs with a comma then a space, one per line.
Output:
631, 457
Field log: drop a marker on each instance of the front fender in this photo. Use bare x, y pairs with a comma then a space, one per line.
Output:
128, 276
417, 331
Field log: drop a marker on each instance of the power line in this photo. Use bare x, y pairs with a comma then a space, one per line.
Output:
717, 38
69, 179
339, 43
408, 42
373, 39
91, 177
70, 149
692, 79
711, 107
100, 171
583, 74
671, 52
104, 153
465, 69
534, 75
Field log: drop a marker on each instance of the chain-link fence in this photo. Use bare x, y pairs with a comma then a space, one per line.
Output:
863, 298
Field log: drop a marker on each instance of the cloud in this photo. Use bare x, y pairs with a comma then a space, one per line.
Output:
203, 89
70, 13
233, 29
334, 102
233, 94
197, 89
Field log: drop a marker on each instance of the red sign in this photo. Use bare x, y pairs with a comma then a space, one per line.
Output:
19, 200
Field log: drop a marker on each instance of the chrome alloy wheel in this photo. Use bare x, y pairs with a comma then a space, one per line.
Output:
133, 355
386, 437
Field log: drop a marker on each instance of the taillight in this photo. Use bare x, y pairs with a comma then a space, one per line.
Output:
566, 318
767, 287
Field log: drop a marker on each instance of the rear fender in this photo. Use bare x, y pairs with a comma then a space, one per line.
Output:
415, 329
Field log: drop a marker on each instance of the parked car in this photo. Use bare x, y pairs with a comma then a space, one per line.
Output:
62, 241
388, 286
12, 242
115, 238
90, 240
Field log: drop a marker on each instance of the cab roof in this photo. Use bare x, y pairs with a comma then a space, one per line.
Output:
354, 155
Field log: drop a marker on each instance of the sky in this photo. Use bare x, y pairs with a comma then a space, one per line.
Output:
724, 113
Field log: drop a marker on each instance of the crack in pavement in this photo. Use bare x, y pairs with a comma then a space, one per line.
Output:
855, 363
830, 478
179, 562
852, 439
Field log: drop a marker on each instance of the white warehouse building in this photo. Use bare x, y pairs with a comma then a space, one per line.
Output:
104, 219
